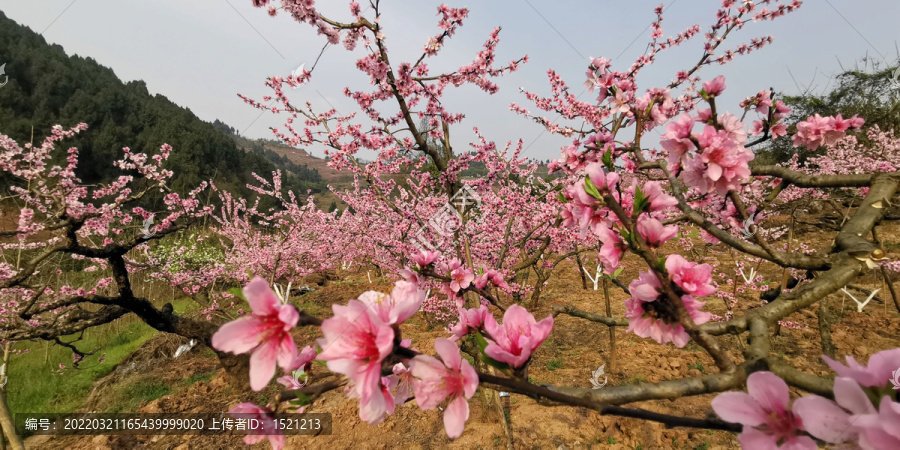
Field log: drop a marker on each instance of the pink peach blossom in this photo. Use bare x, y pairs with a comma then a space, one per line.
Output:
425, 257
653, 231
715, 86
659, 200
834, 421
646, 319
493, 276
356, 341
817, 131
469, 320
764, 412
304, 359
605, 183
452, 378
611, 250
878, 373
692, 278
403, 384
517, 338
461, 278
265, 333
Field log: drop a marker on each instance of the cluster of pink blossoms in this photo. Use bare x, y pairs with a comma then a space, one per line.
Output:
362, 334
357, 341
591, 215
651, 314
461, 277
773, 113
863, 414
512, 342
817, 131
714, 160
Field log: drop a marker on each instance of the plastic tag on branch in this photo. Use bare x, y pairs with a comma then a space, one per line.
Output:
860, 305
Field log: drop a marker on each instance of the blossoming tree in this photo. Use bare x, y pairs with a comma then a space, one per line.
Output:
613, 190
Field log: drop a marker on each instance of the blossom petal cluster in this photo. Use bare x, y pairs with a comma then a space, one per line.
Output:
864, 411
651, 315
817, 131
470, 320
360, 336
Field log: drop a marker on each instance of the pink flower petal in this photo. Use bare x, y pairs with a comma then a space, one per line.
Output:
851, 397
260, 297
738, 407
238, 336
470, 379
448, 352
751, 438
262, 365
455, 417
823, 419
770, 391
287, 351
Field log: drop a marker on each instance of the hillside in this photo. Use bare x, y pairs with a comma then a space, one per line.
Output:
47, 87
289, 157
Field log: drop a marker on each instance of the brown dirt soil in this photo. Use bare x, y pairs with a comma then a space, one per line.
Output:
575, 347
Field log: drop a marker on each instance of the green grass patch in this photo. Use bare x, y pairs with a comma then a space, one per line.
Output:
35, 388
197, 377
133, 395
554, 364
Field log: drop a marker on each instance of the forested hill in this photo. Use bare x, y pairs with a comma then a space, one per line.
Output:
47, 87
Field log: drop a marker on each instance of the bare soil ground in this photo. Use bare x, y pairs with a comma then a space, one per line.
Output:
574, 349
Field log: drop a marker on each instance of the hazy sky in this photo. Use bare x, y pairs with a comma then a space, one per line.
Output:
201, 53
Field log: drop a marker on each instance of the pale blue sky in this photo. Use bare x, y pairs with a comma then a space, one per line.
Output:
200, 54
